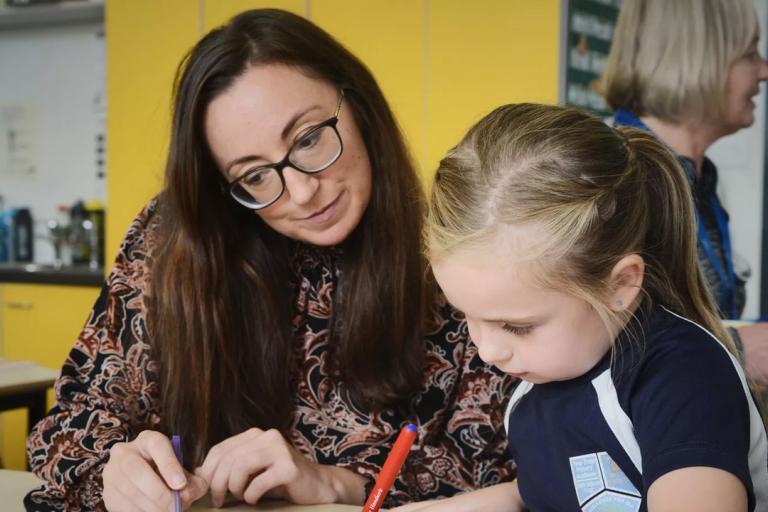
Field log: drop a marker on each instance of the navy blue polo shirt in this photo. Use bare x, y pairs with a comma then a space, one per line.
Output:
672, 397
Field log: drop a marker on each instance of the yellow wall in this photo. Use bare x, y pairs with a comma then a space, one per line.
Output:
145, 41
441, 63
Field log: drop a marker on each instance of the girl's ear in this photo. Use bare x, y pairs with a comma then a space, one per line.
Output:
626, 282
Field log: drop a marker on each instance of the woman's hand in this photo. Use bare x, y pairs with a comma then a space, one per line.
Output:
260, 463
754, 339
141, 475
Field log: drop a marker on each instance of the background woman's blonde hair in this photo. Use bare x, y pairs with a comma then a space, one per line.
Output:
593, 193
670, 58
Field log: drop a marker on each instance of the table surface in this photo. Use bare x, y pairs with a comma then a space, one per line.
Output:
20, 376
14, 485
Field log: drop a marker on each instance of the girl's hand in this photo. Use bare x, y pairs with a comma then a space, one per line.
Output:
496, 498
141, 474
260, 463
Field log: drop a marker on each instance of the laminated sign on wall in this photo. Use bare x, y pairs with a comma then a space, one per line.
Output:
19, 129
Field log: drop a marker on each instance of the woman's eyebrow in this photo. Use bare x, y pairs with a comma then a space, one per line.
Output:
283, 135
296, 117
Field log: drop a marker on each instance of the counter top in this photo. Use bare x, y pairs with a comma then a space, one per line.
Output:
75, 275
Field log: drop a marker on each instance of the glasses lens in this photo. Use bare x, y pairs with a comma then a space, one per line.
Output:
316, 150
258, 187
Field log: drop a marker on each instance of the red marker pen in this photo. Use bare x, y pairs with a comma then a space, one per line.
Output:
391, 468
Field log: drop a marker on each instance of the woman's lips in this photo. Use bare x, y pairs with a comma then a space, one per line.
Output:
325, 213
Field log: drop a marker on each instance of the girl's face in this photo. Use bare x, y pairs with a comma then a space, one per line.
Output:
741, 86
259, 118
539, 335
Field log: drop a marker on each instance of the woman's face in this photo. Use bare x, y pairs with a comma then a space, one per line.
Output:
741, 86
258, 119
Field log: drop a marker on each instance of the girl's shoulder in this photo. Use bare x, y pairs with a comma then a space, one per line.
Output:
668, 335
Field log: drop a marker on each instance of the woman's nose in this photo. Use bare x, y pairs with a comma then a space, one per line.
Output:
763, 73
301, 187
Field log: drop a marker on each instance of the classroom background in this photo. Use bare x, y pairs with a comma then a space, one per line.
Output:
85, 97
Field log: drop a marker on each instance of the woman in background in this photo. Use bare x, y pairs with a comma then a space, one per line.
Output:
688, 71
272, 306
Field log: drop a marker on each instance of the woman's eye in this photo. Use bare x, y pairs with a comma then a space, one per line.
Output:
517, 330
255, 179
308, 141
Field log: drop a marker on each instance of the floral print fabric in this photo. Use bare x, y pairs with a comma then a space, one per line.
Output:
108, 393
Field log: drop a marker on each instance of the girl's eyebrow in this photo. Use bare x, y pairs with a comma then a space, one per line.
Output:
519, 321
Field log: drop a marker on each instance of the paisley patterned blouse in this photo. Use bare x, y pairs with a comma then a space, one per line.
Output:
108, 393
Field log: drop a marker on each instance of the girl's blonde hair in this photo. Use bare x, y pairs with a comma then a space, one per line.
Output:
670, 58
593, 193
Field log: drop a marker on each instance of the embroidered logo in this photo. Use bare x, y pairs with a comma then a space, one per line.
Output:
601, 485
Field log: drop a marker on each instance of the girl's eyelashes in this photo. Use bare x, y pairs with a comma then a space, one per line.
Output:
518, 330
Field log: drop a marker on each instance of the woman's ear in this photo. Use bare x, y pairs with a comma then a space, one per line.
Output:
626, 282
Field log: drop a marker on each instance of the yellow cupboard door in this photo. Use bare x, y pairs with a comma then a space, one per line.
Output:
39, 323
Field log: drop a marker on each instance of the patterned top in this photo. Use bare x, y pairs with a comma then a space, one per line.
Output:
703, 187
108, 392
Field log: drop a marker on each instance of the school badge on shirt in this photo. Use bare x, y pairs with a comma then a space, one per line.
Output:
601, 485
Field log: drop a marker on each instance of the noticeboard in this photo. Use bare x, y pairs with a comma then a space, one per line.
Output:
589, 27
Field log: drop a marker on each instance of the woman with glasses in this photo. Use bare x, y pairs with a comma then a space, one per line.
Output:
272, 307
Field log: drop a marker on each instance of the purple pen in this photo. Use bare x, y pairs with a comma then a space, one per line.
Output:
176, 442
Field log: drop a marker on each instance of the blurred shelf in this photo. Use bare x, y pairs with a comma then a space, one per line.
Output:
64, 13
33, 273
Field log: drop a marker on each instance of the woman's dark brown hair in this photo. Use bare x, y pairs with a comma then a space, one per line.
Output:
220, 307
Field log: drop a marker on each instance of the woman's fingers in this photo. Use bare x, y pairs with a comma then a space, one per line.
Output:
279, 473
219, 481
196, 488
124, 479
232, 464
141, 474
157, 448
215, 454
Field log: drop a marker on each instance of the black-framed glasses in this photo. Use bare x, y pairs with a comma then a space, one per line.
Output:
316, 150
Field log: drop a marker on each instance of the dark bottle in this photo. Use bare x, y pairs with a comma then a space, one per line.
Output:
23, 235
94, 211
79, 234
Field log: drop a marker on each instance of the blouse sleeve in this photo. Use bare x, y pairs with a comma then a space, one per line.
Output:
107, 391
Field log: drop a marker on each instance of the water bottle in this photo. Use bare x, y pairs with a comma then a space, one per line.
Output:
23, 235
79, 234
5, 250
94, 211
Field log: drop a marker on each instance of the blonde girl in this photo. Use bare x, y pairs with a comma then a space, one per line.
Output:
571, 248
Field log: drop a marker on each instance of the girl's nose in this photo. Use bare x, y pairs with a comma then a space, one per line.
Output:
490, 349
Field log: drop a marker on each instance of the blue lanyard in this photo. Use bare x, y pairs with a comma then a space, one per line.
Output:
625, 118
725, 275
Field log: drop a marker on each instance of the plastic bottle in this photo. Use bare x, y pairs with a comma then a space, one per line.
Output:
79, 234
94, 211
23, 235
5, 249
